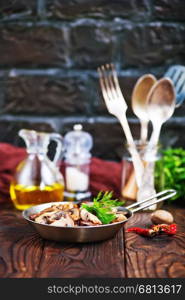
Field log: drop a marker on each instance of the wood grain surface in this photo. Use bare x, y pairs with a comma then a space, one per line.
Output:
157, 257
24, 254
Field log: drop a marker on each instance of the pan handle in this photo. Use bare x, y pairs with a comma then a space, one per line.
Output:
170, 193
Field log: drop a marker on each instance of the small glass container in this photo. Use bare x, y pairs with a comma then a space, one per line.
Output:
37, 179
129, 187
77, 158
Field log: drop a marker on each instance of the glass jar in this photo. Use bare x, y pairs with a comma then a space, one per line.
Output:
129, 188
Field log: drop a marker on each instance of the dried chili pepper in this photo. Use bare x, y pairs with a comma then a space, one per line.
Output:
142, 231
164, 228
155, 230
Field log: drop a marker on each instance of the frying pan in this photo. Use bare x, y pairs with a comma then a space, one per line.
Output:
84, 234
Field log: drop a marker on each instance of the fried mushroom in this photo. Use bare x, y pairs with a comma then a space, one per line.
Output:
65, 221
119, 217
87, 216
74, 214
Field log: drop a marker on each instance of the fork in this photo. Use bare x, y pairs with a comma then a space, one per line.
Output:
177, 74
117, 106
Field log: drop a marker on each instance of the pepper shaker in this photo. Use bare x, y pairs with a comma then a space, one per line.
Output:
77, 158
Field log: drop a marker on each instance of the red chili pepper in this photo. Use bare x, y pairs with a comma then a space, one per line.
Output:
142, 231
168, 229
155, 230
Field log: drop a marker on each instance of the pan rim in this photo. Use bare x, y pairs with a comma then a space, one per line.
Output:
71, 227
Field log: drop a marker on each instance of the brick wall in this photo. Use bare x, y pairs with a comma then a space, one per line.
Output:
49, 52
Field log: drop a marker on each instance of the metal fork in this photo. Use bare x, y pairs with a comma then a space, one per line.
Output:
177, 74
117, 106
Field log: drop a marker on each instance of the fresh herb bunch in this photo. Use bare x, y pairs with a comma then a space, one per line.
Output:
170, 171
102, 207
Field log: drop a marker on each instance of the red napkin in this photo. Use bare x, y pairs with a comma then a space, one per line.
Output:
10, 156
104, 175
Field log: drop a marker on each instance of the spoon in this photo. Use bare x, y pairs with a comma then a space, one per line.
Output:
139, 100
139, 96
160, 106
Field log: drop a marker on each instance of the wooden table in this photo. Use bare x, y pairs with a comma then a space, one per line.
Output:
24, 254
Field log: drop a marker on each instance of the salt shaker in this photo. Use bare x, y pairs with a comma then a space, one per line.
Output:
77, 157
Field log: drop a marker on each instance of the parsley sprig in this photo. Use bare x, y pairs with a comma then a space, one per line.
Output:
170, 171
102, 207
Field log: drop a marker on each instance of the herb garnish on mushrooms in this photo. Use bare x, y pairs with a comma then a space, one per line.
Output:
103, 207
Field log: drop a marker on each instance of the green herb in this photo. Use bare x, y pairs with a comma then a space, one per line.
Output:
102, 207
170, 171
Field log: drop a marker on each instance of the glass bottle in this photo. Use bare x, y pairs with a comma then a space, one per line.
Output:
37, 179
77, 157
129, 189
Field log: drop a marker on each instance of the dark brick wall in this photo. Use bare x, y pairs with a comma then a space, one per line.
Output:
49, 53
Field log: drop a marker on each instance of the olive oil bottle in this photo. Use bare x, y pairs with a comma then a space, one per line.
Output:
25, 196
37, 179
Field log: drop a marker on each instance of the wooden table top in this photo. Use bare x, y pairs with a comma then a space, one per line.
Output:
24, 254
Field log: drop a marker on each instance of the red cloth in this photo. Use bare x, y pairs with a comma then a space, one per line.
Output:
10, 156
104, 175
